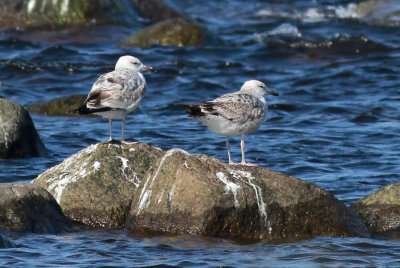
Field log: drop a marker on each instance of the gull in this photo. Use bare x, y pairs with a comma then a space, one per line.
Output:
117, 93
234, 114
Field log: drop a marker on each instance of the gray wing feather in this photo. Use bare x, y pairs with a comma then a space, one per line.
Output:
235, 107
116, 90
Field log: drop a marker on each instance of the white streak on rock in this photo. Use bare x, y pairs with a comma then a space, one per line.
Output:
161, 196
31, 5
5, 133
229, 186
171, 192
69, 170
96, 165
135, 180
145, 195
64, 7
240, 174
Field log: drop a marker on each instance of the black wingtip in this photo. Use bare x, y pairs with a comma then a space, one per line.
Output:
83, 110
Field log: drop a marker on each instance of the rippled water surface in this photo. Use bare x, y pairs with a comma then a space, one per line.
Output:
335, 123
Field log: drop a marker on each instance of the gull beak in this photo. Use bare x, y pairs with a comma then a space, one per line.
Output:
271, 92
148, 68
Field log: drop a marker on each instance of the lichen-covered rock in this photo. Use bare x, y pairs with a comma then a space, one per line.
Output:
5, 242
63, 106
171, 32
381, 209
18, 136
95, 186
27, 207
199, 195
39, 13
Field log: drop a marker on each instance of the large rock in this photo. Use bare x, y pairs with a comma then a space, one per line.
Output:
197, 194
156, 11
172, 32
381, 209
62, 106
40, 13
18, 136
379, 12
27, 207
95, 186
168, 27
149, 191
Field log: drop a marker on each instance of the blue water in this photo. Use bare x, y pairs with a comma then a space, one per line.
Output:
335, 123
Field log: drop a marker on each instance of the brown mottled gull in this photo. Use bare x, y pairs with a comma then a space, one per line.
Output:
117, 93
234, 114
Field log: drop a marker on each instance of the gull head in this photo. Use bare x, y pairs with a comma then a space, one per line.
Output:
257, 88
132, 63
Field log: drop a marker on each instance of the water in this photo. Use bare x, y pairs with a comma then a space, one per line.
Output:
335, 123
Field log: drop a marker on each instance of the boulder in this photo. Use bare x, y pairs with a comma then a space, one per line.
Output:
171, 32
18, 136
5, 242
95, 186
168, 27
200, 195
379, 12
381, 209
152, 191
156, 11
27, 207
45, 13
63, 106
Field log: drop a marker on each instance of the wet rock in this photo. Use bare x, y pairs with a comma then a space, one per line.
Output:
151, 191
156, 11
27, 207
381, 209
379, 12
199, 195
169, 27
5, 242
63, 106
95, 186
18, 136
40, 13
171, 32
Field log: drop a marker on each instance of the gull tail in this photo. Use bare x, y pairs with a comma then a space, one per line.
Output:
193, 110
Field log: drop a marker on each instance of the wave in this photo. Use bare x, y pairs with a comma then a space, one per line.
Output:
372, 12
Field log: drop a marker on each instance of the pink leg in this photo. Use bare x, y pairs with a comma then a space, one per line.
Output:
228, 148
110, 122
123, 132
243, 154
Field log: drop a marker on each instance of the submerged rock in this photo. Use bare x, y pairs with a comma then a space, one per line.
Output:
172, 32
95, 186
27, 207
18, 135
152, 191
5, 242
381, 209
63, 106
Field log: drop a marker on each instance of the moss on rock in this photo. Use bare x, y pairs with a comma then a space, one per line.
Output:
381, 209
63, 106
